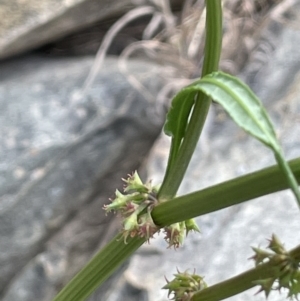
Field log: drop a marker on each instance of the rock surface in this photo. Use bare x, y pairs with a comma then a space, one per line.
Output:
29, 24
26, 25
224, 245
62, 155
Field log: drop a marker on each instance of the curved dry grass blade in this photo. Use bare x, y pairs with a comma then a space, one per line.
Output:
110, 35
149, 47
152, 27
197, 38
154, 50
168, 16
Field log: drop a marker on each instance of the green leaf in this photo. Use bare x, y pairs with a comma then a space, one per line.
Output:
240, 103
247, 111
177, 119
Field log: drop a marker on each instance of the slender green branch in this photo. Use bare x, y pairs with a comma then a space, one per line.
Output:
101, 266
212, 51
224, 195
213, 40
241, 282
182, 208
235, 285
289, 176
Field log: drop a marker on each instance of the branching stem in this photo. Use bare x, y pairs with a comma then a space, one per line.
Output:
212, 51
240, 283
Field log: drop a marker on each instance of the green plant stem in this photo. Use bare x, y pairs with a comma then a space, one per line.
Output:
106, 261
100, 267
235, 285
289, 175
213, 45
213, 40
224, 195
240, 283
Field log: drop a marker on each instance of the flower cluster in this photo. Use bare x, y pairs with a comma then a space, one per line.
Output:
184, 286
286, 269
136, 205
174, 234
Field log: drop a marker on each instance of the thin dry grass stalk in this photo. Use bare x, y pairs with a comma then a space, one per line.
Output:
110, 35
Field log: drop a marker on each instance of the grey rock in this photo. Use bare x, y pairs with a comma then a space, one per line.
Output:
63, 153
224, 245
25, 25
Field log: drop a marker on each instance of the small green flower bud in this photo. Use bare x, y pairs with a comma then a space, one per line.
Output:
184, 286
117, 203
294, 289
130, 226
266, 285
285, 279
285, 268
131, 223
135, 183
260, 255
147, 228
191, 225
175, 234
173, 285
121, 201
276, 246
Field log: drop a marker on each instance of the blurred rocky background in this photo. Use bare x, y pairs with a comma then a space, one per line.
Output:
73, 123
